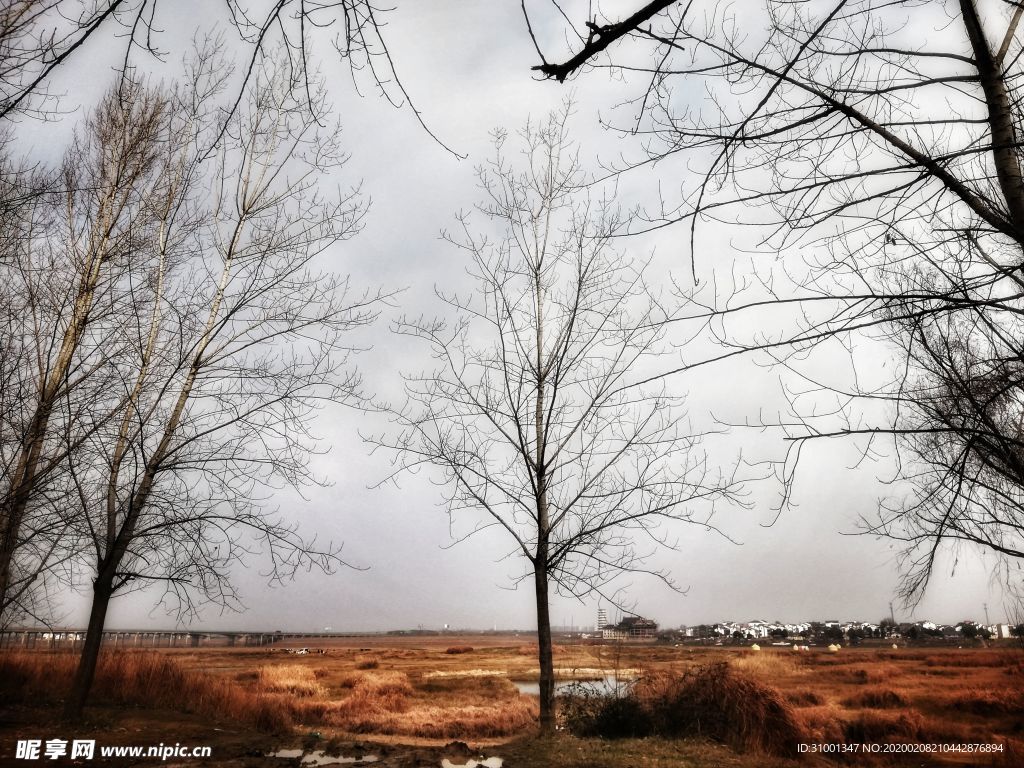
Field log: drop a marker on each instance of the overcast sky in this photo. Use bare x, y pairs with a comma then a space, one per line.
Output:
467, 66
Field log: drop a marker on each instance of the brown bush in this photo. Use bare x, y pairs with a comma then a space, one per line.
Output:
876, 698
367, 664
457, 649
822, 724
736, 709
713, 701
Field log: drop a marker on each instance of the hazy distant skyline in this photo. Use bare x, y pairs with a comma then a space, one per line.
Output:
467, 66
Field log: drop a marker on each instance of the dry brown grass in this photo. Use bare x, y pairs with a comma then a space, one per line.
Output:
969, 659
716, 701
290, 678
875, 698
385, 702
416, 689
736, 708
822, 724
144, 678
457, 649
877, 727
278, 696
989, 702
805, 697
770, 664
364, 713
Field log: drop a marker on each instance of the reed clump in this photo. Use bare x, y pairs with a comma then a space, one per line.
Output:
294, 679
714, 701
148, 679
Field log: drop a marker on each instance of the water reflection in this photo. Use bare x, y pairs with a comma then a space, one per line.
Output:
319, 757
603, 686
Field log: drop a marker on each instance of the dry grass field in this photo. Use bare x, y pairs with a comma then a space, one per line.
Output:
425, 692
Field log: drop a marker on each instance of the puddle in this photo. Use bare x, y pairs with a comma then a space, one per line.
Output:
607, 684
490, 762
319, 757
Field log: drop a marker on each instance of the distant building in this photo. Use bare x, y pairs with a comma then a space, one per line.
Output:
602, 619
633, 627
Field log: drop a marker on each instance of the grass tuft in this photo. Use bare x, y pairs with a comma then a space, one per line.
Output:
290, 678
715, 701
876, 698
805, 697
989, 702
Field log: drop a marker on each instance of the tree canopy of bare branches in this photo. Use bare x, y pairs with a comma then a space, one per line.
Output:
882, 139
39, 37
535, 416
230, 337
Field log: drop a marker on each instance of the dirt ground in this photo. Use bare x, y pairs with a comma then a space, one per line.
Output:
940, 695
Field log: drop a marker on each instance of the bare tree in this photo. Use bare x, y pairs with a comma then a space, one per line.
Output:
26, 211
38, 37
60, 280
231, 343
892, 159
537, 416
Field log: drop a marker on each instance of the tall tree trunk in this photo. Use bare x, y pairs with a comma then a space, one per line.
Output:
1000, 117
544, 651
102, 590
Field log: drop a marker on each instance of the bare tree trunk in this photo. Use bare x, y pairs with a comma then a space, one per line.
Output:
544, 651
1000, 115
103, 589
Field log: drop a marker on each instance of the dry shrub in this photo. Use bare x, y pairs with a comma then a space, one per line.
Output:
367, 664
290, 678
144, 678
457, 649
822, 724
989, 702
873, 726
714, 701
876, 698
729, 706
804, 697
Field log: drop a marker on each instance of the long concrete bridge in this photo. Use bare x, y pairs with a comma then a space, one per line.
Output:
42, 637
